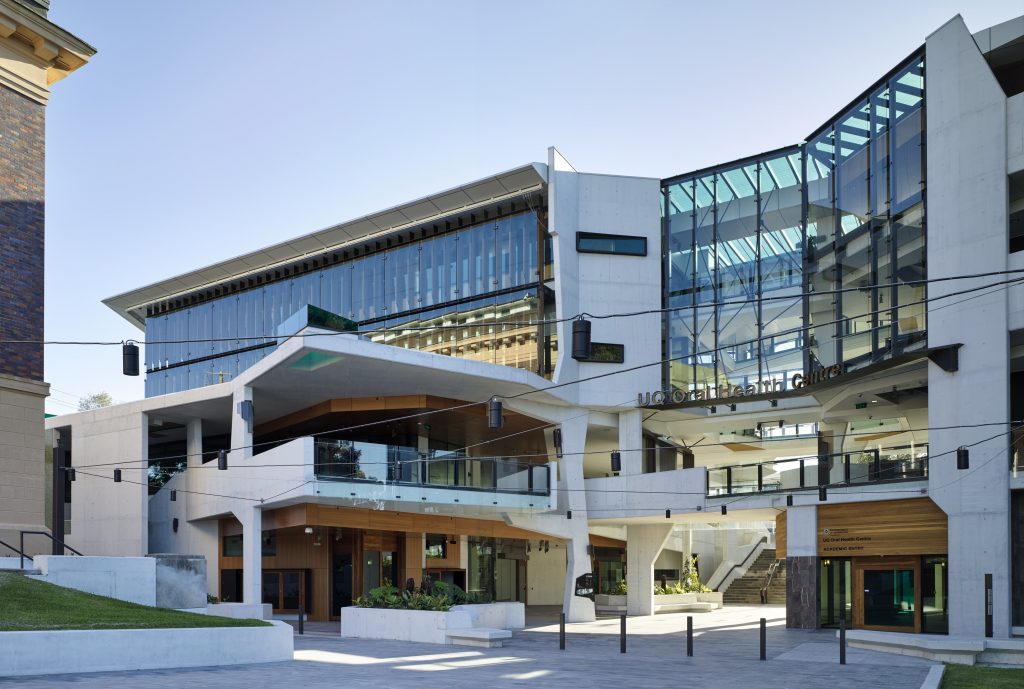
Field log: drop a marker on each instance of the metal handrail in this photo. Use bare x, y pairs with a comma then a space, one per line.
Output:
11, 547
41, 533
741, 565
772, 568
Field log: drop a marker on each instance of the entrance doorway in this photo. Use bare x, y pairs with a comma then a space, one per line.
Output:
887, 594
836, 603
285, 590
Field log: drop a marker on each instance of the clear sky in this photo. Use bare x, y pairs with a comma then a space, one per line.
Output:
204, 129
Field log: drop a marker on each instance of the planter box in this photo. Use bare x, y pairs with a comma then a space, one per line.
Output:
675, 598
428, 626
710, 597
607, 600
119, 650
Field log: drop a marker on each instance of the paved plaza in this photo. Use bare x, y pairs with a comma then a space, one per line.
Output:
725, 656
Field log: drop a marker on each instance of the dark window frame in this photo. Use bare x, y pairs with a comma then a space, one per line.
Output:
582, 237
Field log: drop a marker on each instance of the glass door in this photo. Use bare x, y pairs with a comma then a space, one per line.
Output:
836, 586
888, 594
284, 590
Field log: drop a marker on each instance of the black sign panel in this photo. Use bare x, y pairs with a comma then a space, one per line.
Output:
585, 585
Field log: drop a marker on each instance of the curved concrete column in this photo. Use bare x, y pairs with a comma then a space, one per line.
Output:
644, 543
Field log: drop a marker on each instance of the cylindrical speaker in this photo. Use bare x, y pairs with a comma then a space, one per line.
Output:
117, 475
494, 419
581, 339
222, 460
130, 359
616, 461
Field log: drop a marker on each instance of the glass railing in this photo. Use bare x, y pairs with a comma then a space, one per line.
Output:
794, 473
345, 460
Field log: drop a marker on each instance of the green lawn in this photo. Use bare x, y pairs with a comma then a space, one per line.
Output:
974, 677
29, 605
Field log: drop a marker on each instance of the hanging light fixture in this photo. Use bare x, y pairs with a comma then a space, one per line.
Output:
789, 501
568, 514
725, 510
616, 461
130, 358
668, 514
822, 493
174, 496
71, 473
222, 460
963, 458
581, 339
117, 475
494, 418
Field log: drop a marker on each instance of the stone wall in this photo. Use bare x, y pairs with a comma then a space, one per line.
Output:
802, 592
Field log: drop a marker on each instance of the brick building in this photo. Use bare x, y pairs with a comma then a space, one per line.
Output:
34, 53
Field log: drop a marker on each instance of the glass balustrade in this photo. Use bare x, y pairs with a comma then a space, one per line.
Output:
346, 460
795, 473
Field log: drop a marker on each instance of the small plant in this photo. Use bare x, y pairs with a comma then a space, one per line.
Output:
211, 599
618, 589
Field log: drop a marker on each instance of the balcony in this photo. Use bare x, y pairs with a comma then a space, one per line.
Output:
795, 473
390, 471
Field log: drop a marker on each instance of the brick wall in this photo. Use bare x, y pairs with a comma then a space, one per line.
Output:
21, 233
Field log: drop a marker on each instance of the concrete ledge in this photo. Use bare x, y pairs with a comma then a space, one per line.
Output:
479, 636
131, 579
942, 649
1004, 652
685, 607
241, 611
429, 626
118, 650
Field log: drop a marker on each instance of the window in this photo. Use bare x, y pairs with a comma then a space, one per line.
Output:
623, 245
606, 353
232, 545
437, 547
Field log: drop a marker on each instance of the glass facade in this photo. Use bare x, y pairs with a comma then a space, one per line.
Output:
474, 293
804, 257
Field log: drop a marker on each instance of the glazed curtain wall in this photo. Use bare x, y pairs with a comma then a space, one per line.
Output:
755, 250
464, 281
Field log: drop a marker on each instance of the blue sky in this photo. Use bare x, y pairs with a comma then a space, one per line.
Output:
204, 129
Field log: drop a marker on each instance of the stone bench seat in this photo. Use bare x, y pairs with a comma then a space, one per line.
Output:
478, 636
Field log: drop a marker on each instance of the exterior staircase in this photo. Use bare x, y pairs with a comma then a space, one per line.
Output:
746, 590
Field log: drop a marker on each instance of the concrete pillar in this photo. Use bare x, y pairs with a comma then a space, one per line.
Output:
241, 430
251, 517
644, 543
802, 567
194, 442
572, 498
631, 442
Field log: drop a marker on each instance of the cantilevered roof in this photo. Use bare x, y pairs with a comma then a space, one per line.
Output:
490, 190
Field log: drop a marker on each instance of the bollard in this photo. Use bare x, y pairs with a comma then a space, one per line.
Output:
622, 634
302, 615
842, 640
689, 636
561, 633
764, 639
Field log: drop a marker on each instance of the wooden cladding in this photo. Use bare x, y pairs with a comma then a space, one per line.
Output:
914, 526
780, 536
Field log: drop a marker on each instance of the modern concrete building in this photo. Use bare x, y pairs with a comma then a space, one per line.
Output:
811, 353
34, 53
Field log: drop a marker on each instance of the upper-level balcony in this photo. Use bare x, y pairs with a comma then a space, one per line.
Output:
795, 473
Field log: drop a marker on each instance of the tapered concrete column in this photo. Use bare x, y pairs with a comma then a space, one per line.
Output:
644, 543
573, 499
241, 430
251, 517
194, 442
631, 442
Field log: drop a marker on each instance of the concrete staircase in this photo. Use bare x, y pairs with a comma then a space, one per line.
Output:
746, 590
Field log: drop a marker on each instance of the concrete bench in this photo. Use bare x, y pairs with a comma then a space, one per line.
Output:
685, 607
478, 636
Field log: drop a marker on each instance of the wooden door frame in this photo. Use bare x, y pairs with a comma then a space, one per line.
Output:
280, 588
859, 564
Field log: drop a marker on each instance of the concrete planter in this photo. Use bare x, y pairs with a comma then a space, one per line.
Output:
606, 600
674, 598
710, 597
118, 650
428, 626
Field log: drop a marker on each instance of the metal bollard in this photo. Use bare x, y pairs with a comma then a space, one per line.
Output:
842, 640
689, 636
764, 639
622, 634
302, 616
561, 633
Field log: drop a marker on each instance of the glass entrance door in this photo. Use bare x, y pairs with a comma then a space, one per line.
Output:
836, 577
888, 594
284, 590
341, 590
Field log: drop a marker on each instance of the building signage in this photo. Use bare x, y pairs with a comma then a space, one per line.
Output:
660, 398
585, 585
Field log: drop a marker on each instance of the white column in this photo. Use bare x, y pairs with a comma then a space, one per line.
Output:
967, 233
572, 498
241, 431
631, 441
644, 543
251, 517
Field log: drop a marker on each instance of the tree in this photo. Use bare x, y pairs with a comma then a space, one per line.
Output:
95, 400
